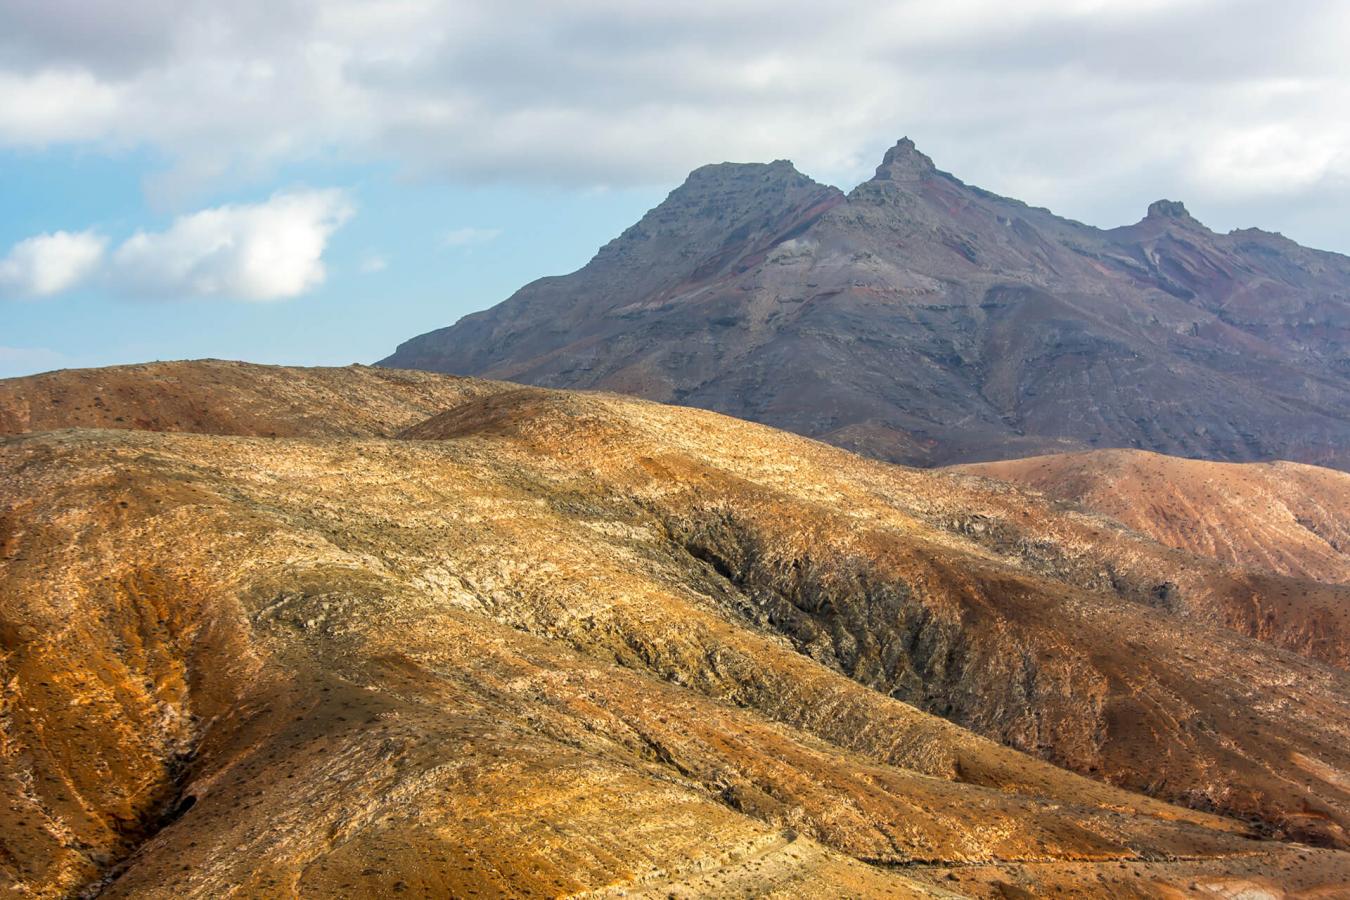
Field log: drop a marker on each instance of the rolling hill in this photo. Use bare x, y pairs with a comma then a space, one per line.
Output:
1281, 517
537, 642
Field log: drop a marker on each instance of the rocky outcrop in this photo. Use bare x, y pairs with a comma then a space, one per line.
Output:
924, 320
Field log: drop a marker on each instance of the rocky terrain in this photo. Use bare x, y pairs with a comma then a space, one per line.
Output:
1281, 517
485, 640
922, 320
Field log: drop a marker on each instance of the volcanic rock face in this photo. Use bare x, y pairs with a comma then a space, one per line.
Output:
923, 320
545, 643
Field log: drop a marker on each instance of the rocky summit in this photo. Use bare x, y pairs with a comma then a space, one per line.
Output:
474, 639
922, 320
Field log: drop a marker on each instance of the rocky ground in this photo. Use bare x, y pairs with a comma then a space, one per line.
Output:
540, 643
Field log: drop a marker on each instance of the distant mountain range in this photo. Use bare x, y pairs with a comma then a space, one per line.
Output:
923, 320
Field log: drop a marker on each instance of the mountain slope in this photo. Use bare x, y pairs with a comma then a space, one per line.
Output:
1282, 517
547, 642
923, 320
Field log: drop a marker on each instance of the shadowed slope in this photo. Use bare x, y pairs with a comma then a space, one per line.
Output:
1283, 517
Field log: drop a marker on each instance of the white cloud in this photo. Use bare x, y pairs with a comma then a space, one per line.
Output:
56, 105
1268, 159
374, 262
1091, 106
252, 251
48, 264
262, 251
469, 236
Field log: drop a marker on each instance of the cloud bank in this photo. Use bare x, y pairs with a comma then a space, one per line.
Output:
48, 264
263, 251
1091, 106
256, 252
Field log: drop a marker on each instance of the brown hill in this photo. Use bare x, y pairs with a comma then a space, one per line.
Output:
1282, 517
219, 397
548, 643
922, 320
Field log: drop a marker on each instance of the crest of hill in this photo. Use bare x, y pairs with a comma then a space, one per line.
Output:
1281, 517
223, 397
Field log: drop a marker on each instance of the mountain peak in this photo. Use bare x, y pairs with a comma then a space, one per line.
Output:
904, 162
1168, 209
779, 169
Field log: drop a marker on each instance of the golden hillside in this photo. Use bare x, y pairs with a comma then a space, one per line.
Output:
218, 397
546, 643
1283, 517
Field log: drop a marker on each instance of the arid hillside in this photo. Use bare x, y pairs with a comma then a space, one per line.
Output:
1282, 517
546, 643
218, 397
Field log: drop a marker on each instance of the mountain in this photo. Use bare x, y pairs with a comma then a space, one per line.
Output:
922, 320
1281, 517
540, 642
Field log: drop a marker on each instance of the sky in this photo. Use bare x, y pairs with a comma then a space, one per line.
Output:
306, 182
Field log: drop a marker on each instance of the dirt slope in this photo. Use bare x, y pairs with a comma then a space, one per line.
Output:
551, 643
222, 397
1282, 517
